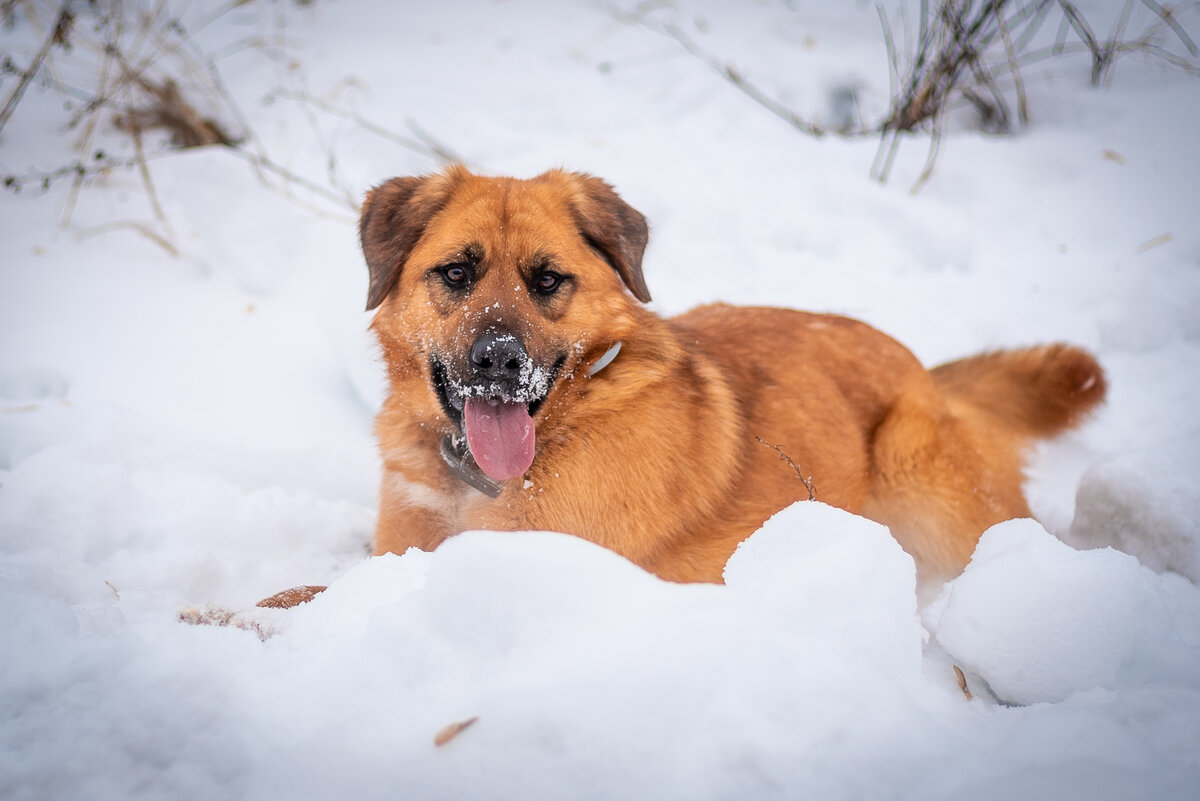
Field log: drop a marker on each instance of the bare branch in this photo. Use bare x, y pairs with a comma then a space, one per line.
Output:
137, 227
1011, 55
730, 73
424, 143
148, 182
889, 45
293, 179
1168, 18
441, 151
57, 36
783, 457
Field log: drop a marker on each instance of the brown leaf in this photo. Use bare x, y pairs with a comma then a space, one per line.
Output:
448, 733
293, 597
962, 682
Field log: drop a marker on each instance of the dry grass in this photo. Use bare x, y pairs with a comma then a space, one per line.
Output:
971, 53
135, 68
961, 54
132, 66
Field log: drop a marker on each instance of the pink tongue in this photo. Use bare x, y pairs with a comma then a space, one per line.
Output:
500, 437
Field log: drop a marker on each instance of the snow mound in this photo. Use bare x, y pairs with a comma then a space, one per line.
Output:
563, 650
1042, 622
1146, 503
814, 566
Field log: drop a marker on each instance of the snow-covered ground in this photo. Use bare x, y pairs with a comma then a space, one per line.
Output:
193, 433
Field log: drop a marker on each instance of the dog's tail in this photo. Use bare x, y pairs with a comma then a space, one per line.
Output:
1031, 392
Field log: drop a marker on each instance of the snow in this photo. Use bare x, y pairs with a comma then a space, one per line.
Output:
1082, 619
1144, 503
193, 433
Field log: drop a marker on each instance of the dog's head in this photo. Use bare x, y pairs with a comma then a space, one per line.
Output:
498, 290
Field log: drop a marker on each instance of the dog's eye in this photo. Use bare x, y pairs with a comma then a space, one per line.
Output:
547, 282
455, 275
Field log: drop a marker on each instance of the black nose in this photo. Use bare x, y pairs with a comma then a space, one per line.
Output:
498, 356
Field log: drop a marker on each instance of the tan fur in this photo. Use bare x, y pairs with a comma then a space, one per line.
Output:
671, 456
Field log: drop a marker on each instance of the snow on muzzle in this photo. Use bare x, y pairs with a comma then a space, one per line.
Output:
496, 404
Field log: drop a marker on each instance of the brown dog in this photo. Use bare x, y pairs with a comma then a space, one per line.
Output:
531, 389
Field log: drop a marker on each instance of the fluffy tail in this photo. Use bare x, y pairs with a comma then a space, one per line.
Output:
1032, 392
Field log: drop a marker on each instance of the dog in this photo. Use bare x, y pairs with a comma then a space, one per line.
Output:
530, 388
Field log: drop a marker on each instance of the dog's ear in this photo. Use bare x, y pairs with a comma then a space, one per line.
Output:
614, 228
394, 216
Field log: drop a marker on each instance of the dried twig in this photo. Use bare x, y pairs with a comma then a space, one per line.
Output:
885, 156
141, 228
424, 144
731, 74
889, 141
1167, 15
78, 171
1139, 46
148, 183
935, 143
57, 36
783, 457
81, 173
439, 150
1010, 54
294, 179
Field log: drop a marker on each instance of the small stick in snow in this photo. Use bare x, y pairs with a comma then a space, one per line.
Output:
448, 733
1151, 244
58, 36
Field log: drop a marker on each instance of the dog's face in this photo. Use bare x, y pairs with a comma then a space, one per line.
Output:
498, 293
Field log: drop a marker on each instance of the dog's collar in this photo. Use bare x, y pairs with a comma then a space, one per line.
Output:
605, 360
458, 459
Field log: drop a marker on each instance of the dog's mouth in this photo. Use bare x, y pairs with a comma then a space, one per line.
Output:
453, 394
496, 417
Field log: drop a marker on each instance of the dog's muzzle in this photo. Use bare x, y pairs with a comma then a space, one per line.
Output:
495, 404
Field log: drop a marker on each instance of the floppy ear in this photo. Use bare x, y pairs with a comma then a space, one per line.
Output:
614, 228
394, 216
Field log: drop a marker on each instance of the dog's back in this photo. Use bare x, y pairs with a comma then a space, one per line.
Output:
936, 455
